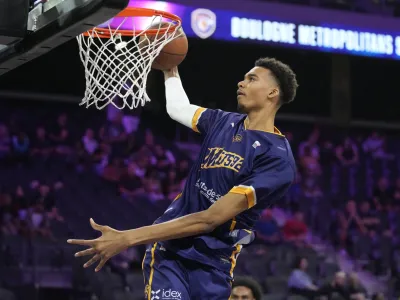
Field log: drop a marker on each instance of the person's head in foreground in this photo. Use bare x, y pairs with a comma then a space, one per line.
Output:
267, 86
245, 288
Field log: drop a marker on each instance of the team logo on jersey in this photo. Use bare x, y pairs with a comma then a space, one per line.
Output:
204, 22
154, 295
256, 144
220, 158
237, 138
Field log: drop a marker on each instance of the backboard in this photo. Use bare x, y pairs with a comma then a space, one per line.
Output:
54, 22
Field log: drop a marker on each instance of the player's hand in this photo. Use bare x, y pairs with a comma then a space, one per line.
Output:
110, 243
171, 73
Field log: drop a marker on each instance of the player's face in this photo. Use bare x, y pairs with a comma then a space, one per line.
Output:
257, 88
242, 293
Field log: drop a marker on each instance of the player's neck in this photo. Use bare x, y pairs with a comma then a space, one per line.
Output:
260, 120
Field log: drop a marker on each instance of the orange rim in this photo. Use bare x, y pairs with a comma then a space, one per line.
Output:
137, 12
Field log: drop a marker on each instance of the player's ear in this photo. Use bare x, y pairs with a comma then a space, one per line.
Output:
274, 92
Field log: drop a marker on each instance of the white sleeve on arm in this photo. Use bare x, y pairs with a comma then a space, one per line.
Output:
178, 105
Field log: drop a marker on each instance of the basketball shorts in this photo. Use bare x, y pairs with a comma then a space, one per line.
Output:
168, 276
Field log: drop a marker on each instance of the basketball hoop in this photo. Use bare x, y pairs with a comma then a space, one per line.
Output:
118, 59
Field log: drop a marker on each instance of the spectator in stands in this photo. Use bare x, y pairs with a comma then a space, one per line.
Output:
130, 183
348, 157
171, 185
113, 134
152, 189
336, 289
373, 145
268, 231
378, 296
21, 202
8, 222
355, 288
61, 135
245, 288
369, 219
162, 160
20, 146
38, 222
131, 145
293, 195
149, 139
350, 224
41, 145
347, 153
5, 142
131, 120
396, 195
376, 147
310, 145
295, 230
383, 195
312, 190
299, 282
90, 144
46, 200
183, 169
310, 163
113, 171
327, 153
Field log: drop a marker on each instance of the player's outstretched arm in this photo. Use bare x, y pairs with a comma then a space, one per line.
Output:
178, 104
113, 241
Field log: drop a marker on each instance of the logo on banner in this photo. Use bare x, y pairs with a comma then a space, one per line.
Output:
204, 22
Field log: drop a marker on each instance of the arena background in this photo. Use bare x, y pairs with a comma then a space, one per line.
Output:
51, 187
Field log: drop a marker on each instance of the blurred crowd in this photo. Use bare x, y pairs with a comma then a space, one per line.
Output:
347, 190
133, 161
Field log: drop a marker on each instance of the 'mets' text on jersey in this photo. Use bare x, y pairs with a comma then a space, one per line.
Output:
257, 164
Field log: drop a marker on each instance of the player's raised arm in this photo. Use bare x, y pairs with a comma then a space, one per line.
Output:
178, 104
198, 118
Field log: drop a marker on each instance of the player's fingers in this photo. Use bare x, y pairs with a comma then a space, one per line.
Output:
81, 242
92, 261
96, 226
101, 264
85, 252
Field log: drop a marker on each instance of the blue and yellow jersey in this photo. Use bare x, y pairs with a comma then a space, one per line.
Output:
232, 159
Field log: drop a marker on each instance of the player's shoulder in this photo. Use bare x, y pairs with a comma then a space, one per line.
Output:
274, 146
225, 114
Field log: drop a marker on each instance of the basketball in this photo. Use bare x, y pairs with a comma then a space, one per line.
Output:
173, 53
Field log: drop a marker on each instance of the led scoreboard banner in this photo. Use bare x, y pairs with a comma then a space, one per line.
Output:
274, 24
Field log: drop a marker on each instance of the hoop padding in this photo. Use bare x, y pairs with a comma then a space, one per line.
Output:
117, 61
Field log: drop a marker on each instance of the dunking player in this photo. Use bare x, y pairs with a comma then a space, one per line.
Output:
245, 165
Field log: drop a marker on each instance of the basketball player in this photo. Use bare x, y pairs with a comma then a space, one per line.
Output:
245, 165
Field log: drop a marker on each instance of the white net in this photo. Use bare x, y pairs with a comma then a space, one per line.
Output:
116, 67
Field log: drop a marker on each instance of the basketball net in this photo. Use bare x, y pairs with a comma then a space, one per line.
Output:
117, 65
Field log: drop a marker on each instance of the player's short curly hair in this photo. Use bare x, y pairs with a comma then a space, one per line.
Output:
284, 75
251, 284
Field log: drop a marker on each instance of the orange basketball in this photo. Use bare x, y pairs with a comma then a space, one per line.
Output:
173, 53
